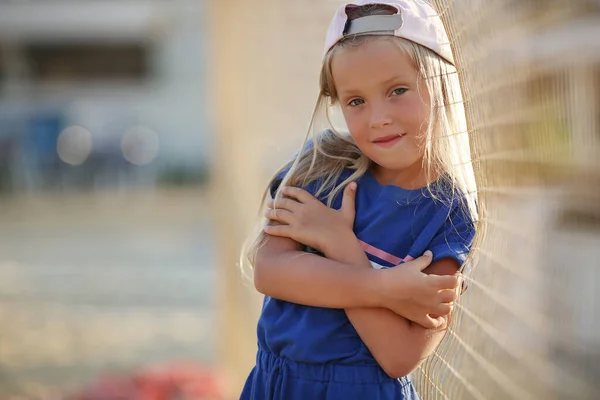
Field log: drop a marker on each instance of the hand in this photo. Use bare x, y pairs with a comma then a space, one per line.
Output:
302, 217
418, 297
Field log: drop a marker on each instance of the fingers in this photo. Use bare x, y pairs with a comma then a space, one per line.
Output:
348, 207
444, 309
422, 262
460, 283
447, 296
439, 321
296, 193
429, 322
444, 282
283, 204
278, 215
278, 230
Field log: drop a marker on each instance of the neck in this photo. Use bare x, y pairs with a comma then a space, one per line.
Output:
410, 178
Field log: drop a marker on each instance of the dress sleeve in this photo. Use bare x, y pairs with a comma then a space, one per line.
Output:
312, 187
276, 182
455, 238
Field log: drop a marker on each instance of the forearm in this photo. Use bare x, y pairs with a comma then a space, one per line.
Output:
389, 337
283, 271
312, 280
398, 345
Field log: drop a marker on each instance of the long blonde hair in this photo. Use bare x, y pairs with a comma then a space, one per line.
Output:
331, 152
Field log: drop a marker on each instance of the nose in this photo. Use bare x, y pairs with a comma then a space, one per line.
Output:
380, 117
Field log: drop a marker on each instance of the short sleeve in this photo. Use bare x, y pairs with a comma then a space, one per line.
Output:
455, 238
276, 181
312, 187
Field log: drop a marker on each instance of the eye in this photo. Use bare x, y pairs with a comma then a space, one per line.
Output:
355, 102
399, 91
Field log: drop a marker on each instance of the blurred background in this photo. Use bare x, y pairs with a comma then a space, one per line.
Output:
137, 136
107, 249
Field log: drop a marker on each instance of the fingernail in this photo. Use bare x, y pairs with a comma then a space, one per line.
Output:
428, 253
352, 185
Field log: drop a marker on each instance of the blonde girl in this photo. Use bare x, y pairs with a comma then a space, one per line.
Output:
367, 228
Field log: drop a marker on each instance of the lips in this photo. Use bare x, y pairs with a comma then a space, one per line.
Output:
389, 140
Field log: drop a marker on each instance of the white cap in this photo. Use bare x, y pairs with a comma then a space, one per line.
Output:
416, 21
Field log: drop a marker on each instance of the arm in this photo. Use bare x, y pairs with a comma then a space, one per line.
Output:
285, 272
398, 345
401, 346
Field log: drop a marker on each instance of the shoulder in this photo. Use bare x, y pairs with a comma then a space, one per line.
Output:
447, 216
455, 231
450, 199
320, 187
455, 218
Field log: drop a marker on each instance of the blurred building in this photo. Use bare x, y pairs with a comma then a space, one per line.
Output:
101, 93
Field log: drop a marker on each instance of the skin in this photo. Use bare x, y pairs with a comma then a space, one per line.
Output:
381, 97
398, 344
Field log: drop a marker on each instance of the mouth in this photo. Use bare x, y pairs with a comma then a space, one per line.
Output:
389, 140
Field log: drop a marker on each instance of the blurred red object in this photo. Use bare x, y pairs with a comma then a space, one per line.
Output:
169, 382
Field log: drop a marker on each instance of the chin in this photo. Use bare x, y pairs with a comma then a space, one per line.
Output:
394, 159
398, 164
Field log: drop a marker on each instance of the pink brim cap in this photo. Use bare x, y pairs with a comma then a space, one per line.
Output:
416, 21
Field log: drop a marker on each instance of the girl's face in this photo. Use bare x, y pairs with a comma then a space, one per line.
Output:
385, 105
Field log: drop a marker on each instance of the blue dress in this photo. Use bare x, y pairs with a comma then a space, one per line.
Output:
315, 353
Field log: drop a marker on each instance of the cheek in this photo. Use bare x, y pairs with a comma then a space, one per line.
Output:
356, 125
423, 106
419, 115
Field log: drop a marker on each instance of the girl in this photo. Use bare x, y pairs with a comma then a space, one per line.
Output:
338, 322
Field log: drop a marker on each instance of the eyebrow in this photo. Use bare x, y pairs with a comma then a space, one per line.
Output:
384, 83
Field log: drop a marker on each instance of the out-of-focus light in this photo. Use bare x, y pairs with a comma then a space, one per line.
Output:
74, 145
140, 145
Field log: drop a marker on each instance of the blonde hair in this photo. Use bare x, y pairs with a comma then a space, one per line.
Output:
447, 154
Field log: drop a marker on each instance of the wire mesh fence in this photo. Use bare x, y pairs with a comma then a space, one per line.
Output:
530, 78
